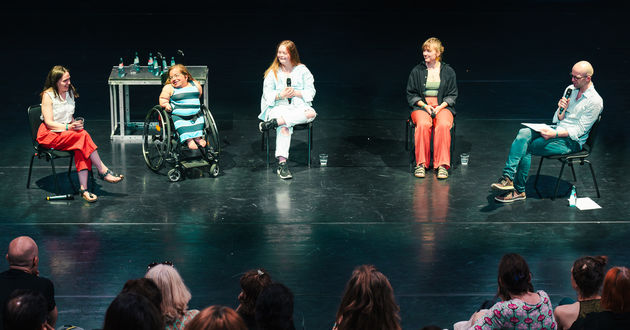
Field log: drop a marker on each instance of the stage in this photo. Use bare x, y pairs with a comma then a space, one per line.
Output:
438, 241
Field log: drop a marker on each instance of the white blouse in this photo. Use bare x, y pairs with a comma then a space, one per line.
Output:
63, 110
301, 79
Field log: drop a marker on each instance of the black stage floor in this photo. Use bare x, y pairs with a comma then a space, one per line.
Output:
439, 242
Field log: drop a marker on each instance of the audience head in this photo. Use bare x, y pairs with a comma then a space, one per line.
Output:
514, 276
587, 274
368, 302
616, 292
175, 294
217, 318
147, 288
252, 284
23, 254
26, 310
131, 311
54, 78
434, 44
274, 308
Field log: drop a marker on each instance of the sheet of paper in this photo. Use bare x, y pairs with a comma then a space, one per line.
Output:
585, 203
536, 127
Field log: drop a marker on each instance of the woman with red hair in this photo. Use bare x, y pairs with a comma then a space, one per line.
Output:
288, 92
615, 302
217, 318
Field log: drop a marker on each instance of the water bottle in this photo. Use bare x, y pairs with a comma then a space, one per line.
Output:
136, 63
573, 197
164, 66
156, 67
150, 62
172, 60
121, 68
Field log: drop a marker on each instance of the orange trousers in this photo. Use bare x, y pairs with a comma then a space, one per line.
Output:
441, 128
78, 141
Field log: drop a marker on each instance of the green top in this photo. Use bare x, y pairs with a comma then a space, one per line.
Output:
431, 88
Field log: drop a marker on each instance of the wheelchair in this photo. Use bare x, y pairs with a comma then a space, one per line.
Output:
161, 147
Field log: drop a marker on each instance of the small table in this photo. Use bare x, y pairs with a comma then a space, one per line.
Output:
119, 96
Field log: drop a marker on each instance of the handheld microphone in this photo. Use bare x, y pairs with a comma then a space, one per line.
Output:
567, 94
289, 85
59, 197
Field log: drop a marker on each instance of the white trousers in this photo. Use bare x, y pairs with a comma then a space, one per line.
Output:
292, 116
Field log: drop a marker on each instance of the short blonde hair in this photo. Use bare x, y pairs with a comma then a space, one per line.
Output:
175, 294
435, 44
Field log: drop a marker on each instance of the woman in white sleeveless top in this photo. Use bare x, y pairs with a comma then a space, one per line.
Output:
60, 131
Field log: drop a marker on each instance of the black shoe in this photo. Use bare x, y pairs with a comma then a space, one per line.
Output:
267, 125
283, 171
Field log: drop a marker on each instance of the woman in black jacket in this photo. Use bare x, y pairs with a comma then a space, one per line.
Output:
431, 94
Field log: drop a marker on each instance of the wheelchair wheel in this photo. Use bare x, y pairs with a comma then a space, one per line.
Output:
214, 170
156, 138
174, 175
211, 132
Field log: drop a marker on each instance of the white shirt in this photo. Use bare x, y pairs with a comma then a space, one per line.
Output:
581, 114
63, 110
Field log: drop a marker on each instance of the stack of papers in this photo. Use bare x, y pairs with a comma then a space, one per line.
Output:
585, 203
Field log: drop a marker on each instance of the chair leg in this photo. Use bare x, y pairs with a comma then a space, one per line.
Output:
555, 192
594, 180
407, 135
310, 143
30, 170
537, 176
267, 144
572, 170
74, 188
453, 135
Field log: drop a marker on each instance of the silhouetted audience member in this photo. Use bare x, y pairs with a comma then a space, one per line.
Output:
175, 295
145, 287
274, 308
520, 307
217, 318
26, 310
587, 276
23, 273
615, 302
252, 284
131, 311
368, 302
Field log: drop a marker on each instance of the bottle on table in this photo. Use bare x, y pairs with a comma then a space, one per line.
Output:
121, 68
136, 63
156, 67
150, 62
172, 60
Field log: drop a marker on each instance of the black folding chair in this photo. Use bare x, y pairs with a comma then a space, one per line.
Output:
573, 158
308, 127
49, 154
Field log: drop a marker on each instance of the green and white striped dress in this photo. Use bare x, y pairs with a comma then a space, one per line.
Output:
185, 104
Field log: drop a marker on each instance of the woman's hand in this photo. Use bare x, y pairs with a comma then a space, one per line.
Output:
167, 107
287, 92
76, 125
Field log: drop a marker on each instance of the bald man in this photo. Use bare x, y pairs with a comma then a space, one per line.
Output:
573, 120
23, 273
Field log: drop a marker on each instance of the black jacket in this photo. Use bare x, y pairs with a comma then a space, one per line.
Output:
418, 79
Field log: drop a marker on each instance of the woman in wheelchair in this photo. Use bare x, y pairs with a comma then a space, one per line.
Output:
61, 131
180, 96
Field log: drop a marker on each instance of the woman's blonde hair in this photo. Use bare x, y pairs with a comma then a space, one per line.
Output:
293, 52
435, 44
181, 69
175, 294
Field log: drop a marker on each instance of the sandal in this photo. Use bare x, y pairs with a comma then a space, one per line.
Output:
104, 175
91, 198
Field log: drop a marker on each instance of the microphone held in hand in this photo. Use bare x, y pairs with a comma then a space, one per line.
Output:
567, 94
289, 85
